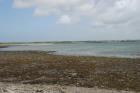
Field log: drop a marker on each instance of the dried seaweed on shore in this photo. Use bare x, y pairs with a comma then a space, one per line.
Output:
32, 67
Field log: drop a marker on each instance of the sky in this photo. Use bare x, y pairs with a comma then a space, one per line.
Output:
69, 20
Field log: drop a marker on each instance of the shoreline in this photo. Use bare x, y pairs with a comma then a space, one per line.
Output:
71, 55
122, 57
36, 67
43, 88
3, 46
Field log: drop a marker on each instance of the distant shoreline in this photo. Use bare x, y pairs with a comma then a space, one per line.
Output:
90, 41
3, 46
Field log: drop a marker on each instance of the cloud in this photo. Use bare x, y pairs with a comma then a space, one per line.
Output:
120, 11
100, 12
65, 19
23, 3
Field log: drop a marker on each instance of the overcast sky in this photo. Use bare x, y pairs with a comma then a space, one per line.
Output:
51, 20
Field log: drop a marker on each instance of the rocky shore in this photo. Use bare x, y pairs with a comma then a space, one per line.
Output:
39, 88
32, 68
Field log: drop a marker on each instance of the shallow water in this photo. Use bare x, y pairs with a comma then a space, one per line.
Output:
85, 48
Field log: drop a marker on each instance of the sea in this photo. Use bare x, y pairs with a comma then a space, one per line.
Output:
123, 48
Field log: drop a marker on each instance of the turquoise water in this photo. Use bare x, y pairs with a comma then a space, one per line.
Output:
84, 48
